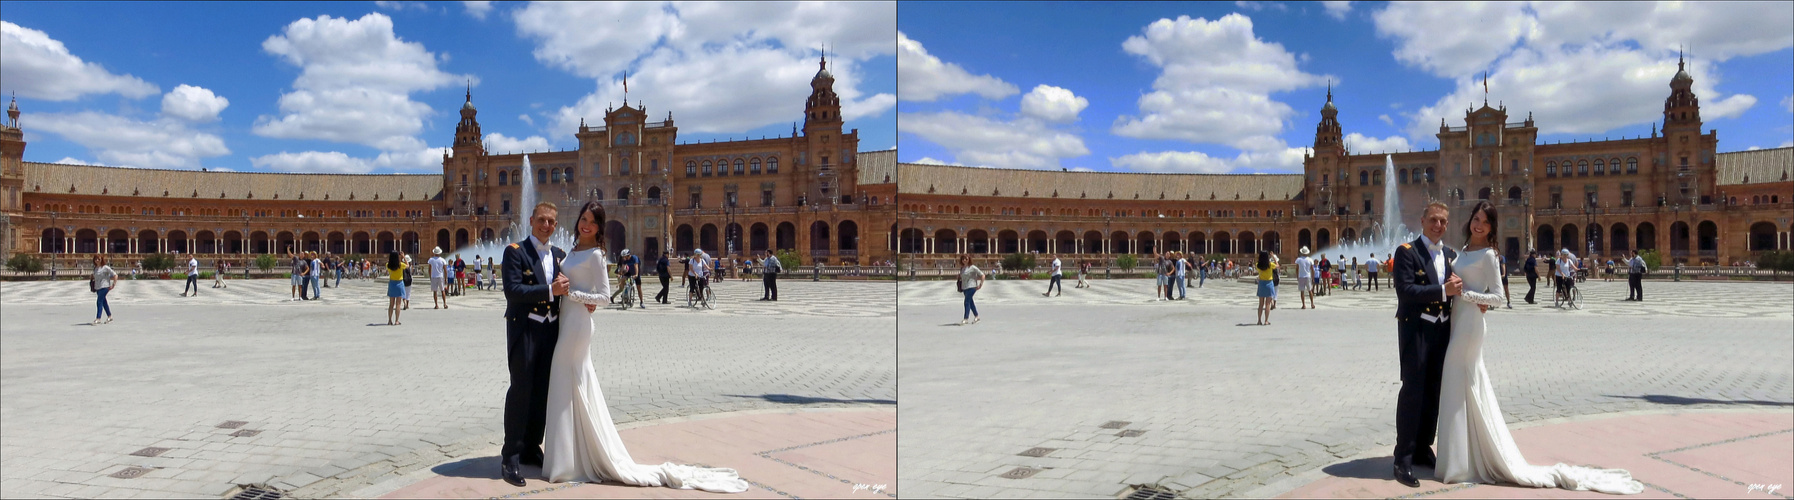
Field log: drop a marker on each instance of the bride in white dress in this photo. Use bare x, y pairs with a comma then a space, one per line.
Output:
580, 440
1474, 443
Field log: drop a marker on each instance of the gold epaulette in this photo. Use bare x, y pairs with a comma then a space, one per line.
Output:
1404, 245
514, 245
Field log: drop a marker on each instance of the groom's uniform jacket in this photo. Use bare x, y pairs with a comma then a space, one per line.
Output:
527, 293
1420, 296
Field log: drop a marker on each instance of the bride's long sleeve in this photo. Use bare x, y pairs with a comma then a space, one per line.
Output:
600, 296
1494, 296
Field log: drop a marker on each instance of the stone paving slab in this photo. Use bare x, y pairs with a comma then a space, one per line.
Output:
782, 454
1226, 407
1711, 454
342, 401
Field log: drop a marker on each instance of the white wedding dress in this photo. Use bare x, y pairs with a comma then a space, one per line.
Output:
1474, 443
580, 440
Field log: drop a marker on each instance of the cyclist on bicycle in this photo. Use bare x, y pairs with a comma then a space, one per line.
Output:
629, 269
1566, 272
700, 272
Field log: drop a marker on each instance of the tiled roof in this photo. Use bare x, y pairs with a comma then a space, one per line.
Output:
1763, 165
916, 178
119, 181
877, 167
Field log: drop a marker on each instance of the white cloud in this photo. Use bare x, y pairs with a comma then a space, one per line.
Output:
40, 67
354, 86
478, 10
1362, 144
1337, 10
1196, 162
1216, 83
498, 143
929, 161
526, 119
70, 160
401, 6
1386, 119
923, 77
1788, 102
195, 104
679, 55
1787, 144
976, 140
312, 161
117, 140
1258, 6
1432, 35
1053, 104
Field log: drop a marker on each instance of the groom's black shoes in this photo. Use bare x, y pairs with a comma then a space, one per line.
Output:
1425, 458
1405, 474
512, 472
532, 458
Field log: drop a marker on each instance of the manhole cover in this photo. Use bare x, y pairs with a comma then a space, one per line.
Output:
258, 493
1037, 452
1115, 424
1151, 493
129, 473
1021, 473
150, 452
245, 433
1130, 433
232, 424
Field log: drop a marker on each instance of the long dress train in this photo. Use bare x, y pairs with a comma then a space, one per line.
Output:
1474, 443
581, 441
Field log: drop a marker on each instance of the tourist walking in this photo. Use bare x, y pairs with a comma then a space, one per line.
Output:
1305, 279
317, 267
661, 265
192, 276
491, 275
1057, 274
1267, 290
406, 259
970, 281
1635, 271
101, 283
479, 273
1531, 268
438, 274
396, 273
770, 283
1357, 276
1083, 270
460, 277
1181, 274
219, 267
1372, 267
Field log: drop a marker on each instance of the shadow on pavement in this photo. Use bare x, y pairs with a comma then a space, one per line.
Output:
475, 468
807, 400
1369, 468
1678, 400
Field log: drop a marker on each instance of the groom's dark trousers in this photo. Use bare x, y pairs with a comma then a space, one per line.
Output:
531, 327
1423, 330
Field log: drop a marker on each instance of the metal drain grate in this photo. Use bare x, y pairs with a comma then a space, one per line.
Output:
245, 433
130, 473
1116, 424
1037, 452
232, 424
150, 452
258, 493
1151, 493
1130, 433
1021, 473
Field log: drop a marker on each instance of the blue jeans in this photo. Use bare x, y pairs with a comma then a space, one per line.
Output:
103, 306
1201, 277
1182, 281
971, 309
314, 287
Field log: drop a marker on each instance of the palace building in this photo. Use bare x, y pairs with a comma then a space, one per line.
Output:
1670, 192
813, 192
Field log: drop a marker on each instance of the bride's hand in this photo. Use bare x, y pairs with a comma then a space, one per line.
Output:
594, 308
1478, 306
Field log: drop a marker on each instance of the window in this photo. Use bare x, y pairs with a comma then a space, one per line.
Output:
730, 198
1684, 161
1613, 166
707, 168
1551, 169
766, 197
1376, 177
1582, 168
1429, 175
654, 165
568, 174
541, 176
754, 166
506, 207
624, 164
691, 169
739, 167
696, 200
1600, 167
722, 167
1403, 175
1515, 167
1364, 177
1632, 165
772, 165
1626, 197
1557, 200
1485, 169
554, 176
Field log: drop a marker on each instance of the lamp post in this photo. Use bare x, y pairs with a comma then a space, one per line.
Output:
56, 248
912, 247
1108, 220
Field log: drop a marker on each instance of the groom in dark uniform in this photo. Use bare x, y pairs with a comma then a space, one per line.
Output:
1424, 285
532, 324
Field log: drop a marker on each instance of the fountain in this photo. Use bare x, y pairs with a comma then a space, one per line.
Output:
519, 227
1383, 237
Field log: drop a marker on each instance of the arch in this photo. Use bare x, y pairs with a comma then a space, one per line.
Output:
1348, 235
1093, 242
683, 240
541, 176
1707, 237
283, 242
1037, 241
361, 242
233, 242
1595, 238
1582, 168
1762, 236
772, 165
1402, 175
205, 241
946, 241
738, 167
1304, 238
1145, 243
52, 240
623, 196
1567, 237
460, 238
485, 235
1322, 239
847, 236
615, 237
1600, 166
785, 236
177, 242
1429, 175
411, 244
1613, 166
1248, 243
388, 242
1119, 243
707, 166
1173, 241
554, 176
908, 241
1199, 242
1364, 177
1484, 194
654, 195
1224, 243
708, 238
1008, 241
977, 241
504, 177
1546, 239
732, 236
87, 241
443, 240
1272, 241
1513, 194
1678, 239
148, 241
1376, 177
757, 237
1065, 241
1631, 165
1618, 238
754, 166
259, 243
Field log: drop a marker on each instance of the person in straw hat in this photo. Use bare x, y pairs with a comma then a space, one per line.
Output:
1305, 278
438, 279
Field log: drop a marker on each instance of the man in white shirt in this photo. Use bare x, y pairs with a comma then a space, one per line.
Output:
700, 271
439, 278
479, 275
192, 276
1305, 279
1183, 272
1372, 267
1566, 270
1635, 270
1057, 274
317, 266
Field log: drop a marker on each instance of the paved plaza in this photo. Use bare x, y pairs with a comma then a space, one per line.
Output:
1110, 389
321, 399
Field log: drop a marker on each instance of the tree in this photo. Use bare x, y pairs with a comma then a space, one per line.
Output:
1126, 262
1653, 259
21, 263
788, 258
158, 262
1018, 262
264, 262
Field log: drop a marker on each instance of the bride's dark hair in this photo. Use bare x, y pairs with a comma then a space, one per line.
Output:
597, 210
1488, 211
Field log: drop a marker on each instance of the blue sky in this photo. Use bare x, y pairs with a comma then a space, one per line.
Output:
376, 86
1237, 87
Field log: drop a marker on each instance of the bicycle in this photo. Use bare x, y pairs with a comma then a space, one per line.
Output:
1568, 295
704, 297
625, 296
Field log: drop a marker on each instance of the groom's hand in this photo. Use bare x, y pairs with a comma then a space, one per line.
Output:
559, 286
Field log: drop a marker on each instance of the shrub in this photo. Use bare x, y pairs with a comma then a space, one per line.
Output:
158, 262
1127, 262
22, 263
1653, 259
788, 258
1018, 261
264, 262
